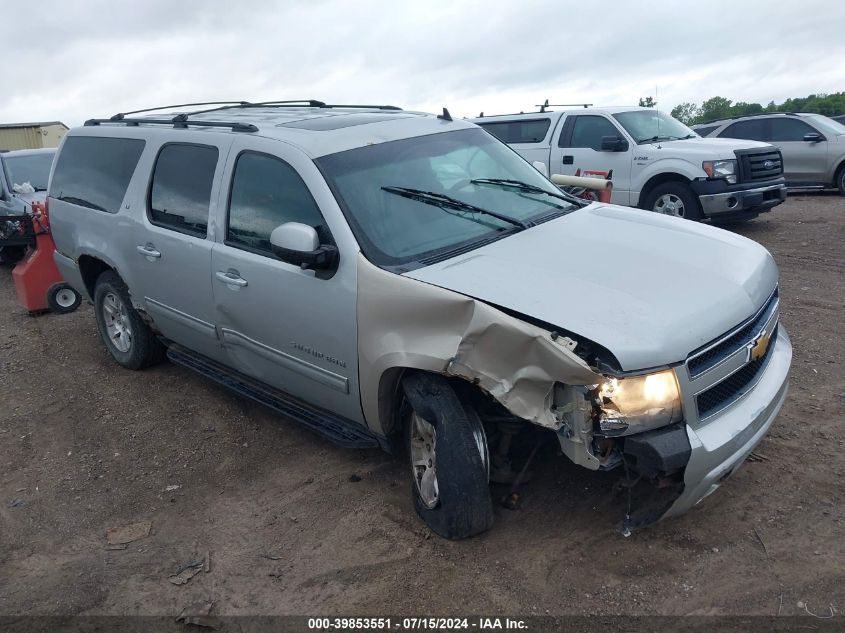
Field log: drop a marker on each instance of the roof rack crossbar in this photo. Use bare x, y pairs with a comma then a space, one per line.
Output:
178, 123
121, 115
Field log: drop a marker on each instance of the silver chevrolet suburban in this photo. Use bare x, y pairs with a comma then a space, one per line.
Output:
392, 278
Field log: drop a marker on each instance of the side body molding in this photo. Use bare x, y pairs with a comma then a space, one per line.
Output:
405, 323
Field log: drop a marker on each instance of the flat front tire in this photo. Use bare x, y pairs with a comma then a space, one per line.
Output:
129, 340
448, 458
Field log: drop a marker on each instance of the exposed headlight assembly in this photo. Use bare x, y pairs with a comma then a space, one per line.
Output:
638, 403
720, 169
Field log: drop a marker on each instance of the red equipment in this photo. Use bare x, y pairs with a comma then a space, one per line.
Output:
37, 281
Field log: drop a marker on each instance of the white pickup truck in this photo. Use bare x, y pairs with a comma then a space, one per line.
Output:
657, 162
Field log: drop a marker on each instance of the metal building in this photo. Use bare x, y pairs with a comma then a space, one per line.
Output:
31, 135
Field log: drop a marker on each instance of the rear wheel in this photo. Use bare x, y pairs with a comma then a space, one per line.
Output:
675, 199
840, 180
61, 298
129, 340
448, 457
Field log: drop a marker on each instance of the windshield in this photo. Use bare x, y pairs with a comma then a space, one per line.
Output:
420, 225
31, 168
827, 125
649, 126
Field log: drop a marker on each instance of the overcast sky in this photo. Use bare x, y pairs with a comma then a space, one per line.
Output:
74, 59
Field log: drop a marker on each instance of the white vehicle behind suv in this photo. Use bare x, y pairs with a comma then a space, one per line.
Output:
658, 163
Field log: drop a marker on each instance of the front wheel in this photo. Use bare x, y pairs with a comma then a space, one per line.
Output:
448, 458
675, 199
840, 180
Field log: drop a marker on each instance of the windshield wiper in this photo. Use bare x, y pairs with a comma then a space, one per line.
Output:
654, 139
441, 200
525, 187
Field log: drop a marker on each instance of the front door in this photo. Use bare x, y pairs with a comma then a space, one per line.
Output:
291, 328
172, 250
578, 148
803, 161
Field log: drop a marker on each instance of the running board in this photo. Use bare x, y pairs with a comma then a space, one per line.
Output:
338, 429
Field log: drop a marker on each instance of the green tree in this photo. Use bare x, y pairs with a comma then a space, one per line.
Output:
686, 112
715, 108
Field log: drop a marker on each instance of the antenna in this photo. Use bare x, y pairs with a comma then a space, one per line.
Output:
445, 116
657, 109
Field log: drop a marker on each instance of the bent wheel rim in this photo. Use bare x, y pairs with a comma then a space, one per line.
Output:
669, 204
117, 323
65, 298
424, 460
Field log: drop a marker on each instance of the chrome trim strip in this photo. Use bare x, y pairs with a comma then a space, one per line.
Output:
198, 325
733, 331
773, 319
748, 389
323, 376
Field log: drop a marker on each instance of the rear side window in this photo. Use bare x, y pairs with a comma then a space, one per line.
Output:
181, 189
267, 192
588, 131
523, 131
94, 172
751, 130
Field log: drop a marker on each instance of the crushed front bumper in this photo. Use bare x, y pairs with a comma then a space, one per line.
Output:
719, 447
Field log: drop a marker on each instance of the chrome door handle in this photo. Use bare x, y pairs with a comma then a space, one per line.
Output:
147, 250
231, 278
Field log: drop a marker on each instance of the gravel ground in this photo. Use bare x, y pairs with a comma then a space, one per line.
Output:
87, 446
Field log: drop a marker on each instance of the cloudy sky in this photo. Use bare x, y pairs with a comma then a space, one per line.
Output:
74, 59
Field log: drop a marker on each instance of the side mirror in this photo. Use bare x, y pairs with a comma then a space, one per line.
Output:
541, 167
613, 144
298, 244
813, 137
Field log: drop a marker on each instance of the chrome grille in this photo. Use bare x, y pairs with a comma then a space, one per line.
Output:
723, 371
732, 388
714, 353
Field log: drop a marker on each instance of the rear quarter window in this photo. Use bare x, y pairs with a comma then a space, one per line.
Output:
521, 131
94, 171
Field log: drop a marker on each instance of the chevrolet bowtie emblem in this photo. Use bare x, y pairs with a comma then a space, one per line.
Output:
757, 348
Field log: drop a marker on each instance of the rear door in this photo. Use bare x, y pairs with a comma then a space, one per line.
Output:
291, 328
578, 147
172, 249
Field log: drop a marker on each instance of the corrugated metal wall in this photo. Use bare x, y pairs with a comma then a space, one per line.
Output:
30, 137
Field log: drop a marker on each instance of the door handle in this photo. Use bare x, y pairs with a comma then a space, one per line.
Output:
568, 160
148, 250
231, 278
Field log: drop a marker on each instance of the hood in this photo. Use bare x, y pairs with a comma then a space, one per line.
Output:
708, 148
650, 288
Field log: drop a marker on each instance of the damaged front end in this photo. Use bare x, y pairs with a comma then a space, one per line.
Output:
535, 374
635, 424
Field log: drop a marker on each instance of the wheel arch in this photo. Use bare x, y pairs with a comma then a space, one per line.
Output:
656, 181
90, 268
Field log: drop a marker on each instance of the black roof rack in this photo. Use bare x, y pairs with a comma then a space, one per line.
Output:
745, 116
545, 105
178, 123
182, 120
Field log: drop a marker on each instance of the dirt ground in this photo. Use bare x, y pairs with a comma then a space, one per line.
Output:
86, 446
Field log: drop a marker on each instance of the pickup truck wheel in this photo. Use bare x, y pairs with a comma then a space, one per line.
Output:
840, 180
676, 199
129, 340
448, 457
